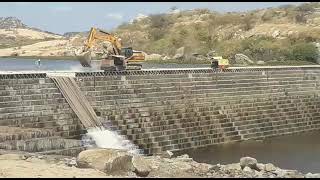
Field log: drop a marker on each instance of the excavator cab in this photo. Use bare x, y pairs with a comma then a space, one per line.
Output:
127, 52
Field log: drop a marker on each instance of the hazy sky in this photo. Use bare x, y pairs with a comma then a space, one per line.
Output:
61, 17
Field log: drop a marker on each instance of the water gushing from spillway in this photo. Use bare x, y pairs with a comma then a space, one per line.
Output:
105, 138
98, 133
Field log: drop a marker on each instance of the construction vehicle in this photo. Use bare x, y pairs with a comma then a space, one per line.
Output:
217, 62
118, 59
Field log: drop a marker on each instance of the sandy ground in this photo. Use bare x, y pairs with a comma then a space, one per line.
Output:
29, 33
45, 48
11, 165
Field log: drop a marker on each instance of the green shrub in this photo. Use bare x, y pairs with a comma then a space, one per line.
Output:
304, 52
160, 21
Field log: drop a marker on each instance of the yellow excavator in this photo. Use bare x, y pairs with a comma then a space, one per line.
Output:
118, 59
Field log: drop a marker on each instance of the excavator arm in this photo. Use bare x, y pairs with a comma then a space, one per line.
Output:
120, 57
97, 34
94, 35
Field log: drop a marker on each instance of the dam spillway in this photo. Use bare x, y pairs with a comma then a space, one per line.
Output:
161, 110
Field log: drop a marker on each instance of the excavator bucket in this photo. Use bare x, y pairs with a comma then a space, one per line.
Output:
85, 59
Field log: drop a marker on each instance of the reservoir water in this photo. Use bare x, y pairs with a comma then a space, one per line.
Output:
20, 64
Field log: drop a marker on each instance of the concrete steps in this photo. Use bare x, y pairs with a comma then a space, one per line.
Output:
14, 133
37, 140
40, 144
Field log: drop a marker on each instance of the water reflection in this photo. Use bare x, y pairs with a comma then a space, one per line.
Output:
300, 152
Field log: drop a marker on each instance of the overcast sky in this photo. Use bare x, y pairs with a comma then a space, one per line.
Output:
61, 17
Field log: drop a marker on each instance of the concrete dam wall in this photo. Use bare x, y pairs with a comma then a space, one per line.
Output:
162, 110
174, 110
35, 117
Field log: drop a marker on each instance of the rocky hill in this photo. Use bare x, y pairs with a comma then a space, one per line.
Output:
14, 33
11, 22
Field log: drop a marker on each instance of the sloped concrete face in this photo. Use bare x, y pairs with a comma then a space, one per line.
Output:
186, 109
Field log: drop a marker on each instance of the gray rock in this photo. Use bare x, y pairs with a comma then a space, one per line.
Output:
235, 166
183, 156
260, 166
24, 157
70, 162
310, 175
260, 62
214, 168
269, 167
280, 172
248, 162
120, 164
141, 167
247, 169
179, 53
167, 58
167, 154
276, 33
242, 59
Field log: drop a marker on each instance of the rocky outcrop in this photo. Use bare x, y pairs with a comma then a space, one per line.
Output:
179, 53
242, 59
11, 22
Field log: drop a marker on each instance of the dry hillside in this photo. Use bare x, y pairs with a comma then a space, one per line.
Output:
286, 33
14, 33
260, 34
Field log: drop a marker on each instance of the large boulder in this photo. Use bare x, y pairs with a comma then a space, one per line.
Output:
242, 59
141, 166
310, 175
269, 167
248, 162
179, 53
110, 161
119, 164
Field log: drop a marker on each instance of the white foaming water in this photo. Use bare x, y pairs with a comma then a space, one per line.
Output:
109, 139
